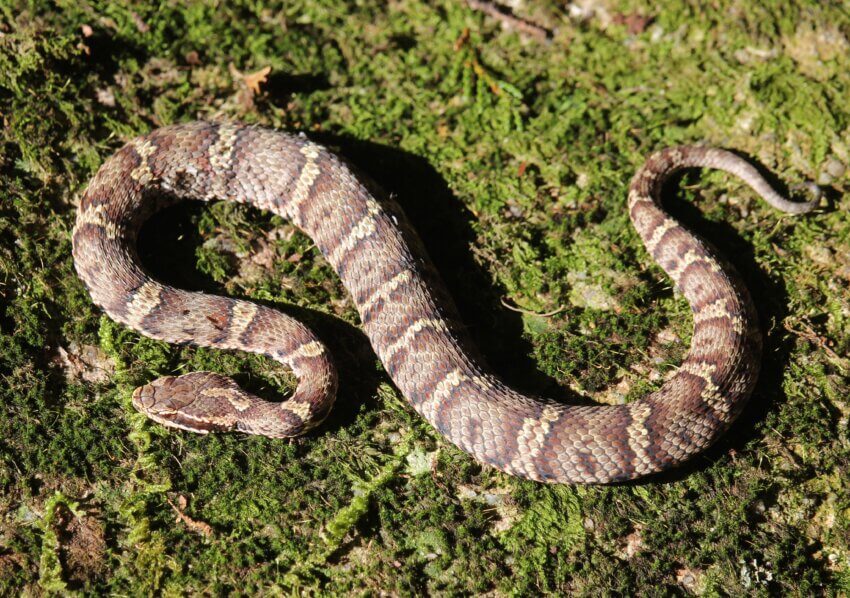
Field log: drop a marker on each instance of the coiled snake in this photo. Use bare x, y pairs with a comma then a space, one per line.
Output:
404, 309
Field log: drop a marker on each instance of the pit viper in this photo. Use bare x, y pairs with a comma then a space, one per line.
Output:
404, 309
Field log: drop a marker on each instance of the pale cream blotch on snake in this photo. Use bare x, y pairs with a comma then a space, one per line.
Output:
405, 311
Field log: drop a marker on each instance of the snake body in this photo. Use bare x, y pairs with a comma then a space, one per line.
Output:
406, 313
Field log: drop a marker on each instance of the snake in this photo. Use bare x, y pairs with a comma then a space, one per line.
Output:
405, 310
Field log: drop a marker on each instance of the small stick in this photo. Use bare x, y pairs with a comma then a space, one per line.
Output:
502, 15
809, 334
522, 310
197, 526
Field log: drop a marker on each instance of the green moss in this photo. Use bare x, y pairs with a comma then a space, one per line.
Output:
49, 567
512, 158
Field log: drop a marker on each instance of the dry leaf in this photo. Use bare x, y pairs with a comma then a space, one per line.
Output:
84, 362
251, 80
139, 22
521, 169
105, 96
634, 22
193, 58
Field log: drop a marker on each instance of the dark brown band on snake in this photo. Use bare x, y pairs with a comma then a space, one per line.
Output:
406, 314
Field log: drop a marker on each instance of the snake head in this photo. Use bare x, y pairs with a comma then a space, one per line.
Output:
183, 402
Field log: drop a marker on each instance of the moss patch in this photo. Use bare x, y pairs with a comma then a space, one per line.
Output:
512, 158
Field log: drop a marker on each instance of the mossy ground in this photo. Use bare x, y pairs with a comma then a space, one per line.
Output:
512, 157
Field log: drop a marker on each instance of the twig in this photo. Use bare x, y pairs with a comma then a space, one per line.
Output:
196, 526
809, 334
528, 311
506, 18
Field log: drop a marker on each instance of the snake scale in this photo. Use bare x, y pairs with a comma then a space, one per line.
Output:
404, 309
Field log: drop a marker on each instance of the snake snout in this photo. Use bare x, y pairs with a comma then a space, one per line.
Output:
144, 398
196, 402
158, 398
